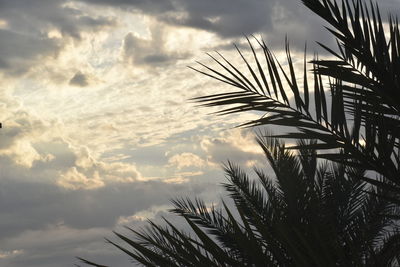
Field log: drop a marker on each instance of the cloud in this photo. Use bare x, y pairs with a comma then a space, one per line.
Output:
79, 79
33, 31
77, 163
18, 52
87, 173
118, 172
36, 147
224, 17
186, 160
237, 146
230, 19
47, 224
38, 17
148, 6
18, 132
10, 254
235, 18
72, 179
63, 242
151, 51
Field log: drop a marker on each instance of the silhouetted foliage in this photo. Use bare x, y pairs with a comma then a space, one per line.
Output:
359, 119
308, 214
343, 211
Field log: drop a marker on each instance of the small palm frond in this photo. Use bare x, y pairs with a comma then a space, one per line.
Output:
89, 263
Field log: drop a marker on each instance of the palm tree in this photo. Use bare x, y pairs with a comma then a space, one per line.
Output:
308, 214
359, 123
341, 212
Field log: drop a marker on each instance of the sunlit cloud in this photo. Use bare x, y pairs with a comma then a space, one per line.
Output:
73, 179
3, 24
186, 160
10, 254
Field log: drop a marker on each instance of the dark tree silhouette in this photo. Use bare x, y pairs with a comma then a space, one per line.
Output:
308, 214
359, 120
343, 211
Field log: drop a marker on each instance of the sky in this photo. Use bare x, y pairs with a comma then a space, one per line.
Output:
98, 130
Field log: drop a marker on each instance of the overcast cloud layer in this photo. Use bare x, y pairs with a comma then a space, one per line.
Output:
97, 130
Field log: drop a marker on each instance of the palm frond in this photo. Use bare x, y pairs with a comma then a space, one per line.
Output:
307, 214
363, 113
338, 213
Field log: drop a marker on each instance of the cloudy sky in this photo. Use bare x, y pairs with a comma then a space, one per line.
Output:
97, 129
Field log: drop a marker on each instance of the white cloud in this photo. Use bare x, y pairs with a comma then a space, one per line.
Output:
23, 153
89, 173
118, 172
182, 177
143, 215
73, 179
237, 146
161, 47
183, 160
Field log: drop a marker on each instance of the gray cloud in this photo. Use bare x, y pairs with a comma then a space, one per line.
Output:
69, 223
33, 205
24, 42
149, 52
235, 18
19, 51
34, 17
147, 6
79, 79
225, 17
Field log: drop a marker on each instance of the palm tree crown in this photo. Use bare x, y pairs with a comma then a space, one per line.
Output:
308, 214
343, 211
360, 117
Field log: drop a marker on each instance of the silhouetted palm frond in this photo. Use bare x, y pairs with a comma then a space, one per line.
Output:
360, 118
307, 214
341, 212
